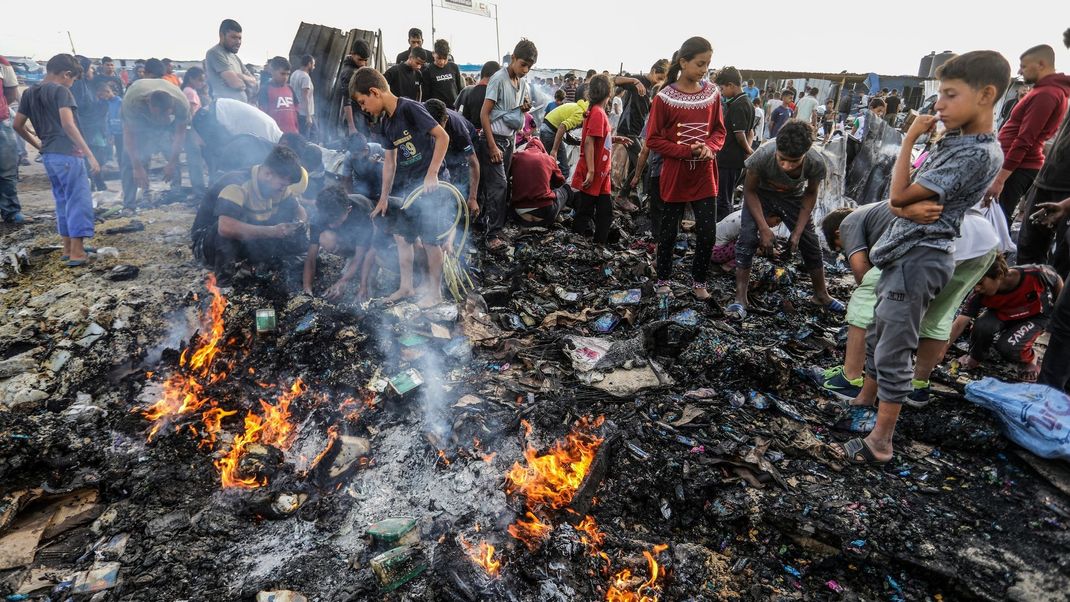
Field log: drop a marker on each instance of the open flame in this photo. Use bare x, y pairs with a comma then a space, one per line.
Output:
627, 588
273, 428
482, 555
550, 480
532, 531
183, 392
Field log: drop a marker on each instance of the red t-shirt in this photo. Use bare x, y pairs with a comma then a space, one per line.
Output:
1034, 296
280, 103
596, 126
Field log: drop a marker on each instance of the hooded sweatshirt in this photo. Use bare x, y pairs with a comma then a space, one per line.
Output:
1034, 119
678, 120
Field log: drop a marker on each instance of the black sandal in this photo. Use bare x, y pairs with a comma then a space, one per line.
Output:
855, 447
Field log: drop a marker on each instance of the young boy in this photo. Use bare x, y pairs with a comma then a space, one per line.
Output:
724, 249
50, 106
461, 161
415, 147
442, 78
506, 102
916, 259
1018, 303
278, 99
782, 180
854, 232
340, 225
113, 119
858, 127
782, 113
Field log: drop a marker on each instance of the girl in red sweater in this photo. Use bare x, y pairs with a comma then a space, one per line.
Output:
592, 171
686, 127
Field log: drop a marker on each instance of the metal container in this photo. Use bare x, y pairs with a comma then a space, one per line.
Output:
265, 321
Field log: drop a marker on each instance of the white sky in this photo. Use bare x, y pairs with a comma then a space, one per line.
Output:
830, 35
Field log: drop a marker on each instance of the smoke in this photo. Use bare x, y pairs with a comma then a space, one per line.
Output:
184, 323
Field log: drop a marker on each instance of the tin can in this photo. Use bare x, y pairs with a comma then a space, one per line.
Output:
265, 321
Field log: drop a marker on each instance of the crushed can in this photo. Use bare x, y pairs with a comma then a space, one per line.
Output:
265, 321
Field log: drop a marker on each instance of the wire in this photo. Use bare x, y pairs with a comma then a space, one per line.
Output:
453, 272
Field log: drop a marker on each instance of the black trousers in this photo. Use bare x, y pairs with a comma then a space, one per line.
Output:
1012, 340
1055, 371
1035, 240
633, 149
705, 211
1014, 189
654, 204
600, 208
727, 178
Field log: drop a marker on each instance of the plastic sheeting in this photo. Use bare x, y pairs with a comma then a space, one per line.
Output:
869, 176
1034, 416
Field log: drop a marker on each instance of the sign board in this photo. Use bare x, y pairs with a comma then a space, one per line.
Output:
469, 6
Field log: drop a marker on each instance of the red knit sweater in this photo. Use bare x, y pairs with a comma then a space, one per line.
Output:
678, 120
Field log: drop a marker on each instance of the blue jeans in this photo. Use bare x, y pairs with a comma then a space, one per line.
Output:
9, 172
70, 187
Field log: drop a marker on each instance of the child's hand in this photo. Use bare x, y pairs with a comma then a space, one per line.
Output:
473, 207
493, 152
380, 208
588, 180
923, 124
925, 212
430, 183
94, 167
525, 106
765, 241
336, 291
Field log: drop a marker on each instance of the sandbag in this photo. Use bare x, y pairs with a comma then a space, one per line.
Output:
1037, 417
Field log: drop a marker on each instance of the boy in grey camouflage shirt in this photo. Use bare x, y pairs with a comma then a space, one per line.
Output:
916, 259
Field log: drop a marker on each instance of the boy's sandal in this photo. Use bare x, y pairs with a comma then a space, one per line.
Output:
836, 306
736, 311
856, 451
76, 263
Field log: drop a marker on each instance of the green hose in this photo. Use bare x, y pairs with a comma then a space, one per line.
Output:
455, 274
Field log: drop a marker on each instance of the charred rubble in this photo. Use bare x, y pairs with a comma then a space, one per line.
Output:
554, 436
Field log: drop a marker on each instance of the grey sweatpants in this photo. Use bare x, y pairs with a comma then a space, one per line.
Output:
904, 291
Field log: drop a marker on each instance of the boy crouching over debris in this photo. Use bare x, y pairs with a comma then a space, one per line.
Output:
415, 147
252, 215
341, 225
916, 260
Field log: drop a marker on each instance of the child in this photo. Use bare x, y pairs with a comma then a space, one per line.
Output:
854, 232
278, 99
195, 87
113, 120
916, 259
782, 179
759, 123
1017, 303
686, 128
858, 127
461, 161
415, 148
506, 102
559, 99
50, 106
828, 120
340, 226
724, 249
592, 171
782, 114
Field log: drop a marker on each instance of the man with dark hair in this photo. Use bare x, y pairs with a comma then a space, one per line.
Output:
1033, 121
253, 215
416, 40
751, 90
301, 83
405, 79
470, 101
442, 77
107, 73
570, 88
637, 94
782, 180
806, 109
169, 72
227, 75
277, 98
139, 70
739, 123
154, 69
581, 90
155, 114
359, 55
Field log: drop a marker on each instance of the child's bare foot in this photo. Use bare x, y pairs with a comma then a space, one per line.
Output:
398, 295
968, 363
429, 300
1029, 372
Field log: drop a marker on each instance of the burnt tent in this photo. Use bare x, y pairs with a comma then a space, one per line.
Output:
330, 46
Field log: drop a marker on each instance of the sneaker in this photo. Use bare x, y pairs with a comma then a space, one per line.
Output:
842, 387
833, 371
921, 395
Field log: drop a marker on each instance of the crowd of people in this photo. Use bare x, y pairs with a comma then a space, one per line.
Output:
419, 143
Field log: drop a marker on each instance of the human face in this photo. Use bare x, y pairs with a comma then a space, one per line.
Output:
416, 42
270, 183
789, 164
231, 41
359, 61
959, 103
312, 66
108, 68
656, 78
880, 111
139, 71
415, 62
168, 67
440, 61
987, 286
371, 103
105, 93
730, 90
520, 67
695, 69
199, 82
279, 77
1030, 68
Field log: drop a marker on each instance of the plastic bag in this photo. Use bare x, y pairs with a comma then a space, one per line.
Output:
1037, 417
994, 214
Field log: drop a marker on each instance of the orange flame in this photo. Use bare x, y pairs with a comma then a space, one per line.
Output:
274, 429
551, 479
624, 589
532, 532
332, 436
591, 536
183, 392
213, 423
482, 555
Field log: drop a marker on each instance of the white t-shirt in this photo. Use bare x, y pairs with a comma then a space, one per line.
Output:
241, 118
759, 124
728, 229
805, 108
300, 81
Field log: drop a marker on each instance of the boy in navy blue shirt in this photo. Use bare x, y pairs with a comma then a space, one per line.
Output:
461, 161
113, 120
415, 147
916, 259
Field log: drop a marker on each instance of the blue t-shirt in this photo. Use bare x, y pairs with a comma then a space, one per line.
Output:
959, 171
752, 92
461, 133
115, 119
780, 116
408, 131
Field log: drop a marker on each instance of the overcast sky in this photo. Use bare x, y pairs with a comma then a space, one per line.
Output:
829, 36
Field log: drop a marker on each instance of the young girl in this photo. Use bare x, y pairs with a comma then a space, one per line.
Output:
686, 128
592, 172
1017, 303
